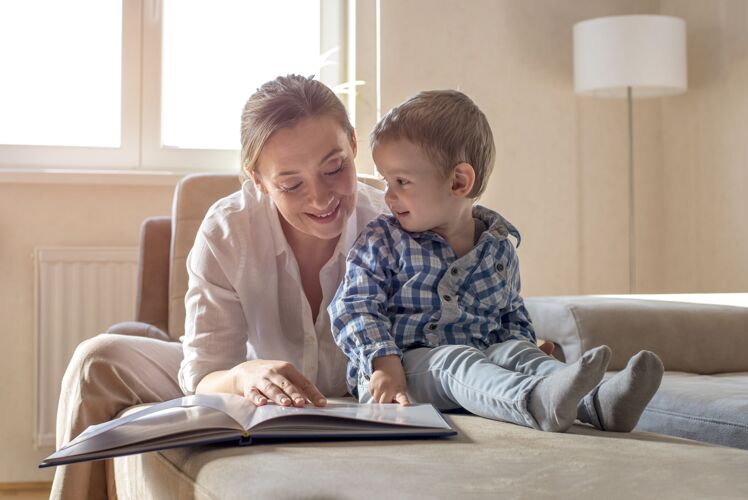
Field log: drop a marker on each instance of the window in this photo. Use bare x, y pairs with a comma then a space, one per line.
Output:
58, 89
150, 84
210, 72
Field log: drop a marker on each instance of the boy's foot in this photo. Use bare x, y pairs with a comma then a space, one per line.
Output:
553, 401
621, 400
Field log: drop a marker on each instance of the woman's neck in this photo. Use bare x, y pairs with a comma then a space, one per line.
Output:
308, 249
311, 255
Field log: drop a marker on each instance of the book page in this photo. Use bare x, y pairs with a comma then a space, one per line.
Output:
174, 421
385, 414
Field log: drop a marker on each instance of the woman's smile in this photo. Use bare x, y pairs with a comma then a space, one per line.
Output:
326, 217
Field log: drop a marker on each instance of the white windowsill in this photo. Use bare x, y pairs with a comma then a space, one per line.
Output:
89, 176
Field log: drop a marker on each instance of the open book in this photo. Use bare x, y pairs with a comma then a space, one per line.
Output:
213, 418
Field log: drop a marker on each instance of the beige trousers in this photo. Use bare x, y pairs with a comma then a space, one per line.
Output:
107, 374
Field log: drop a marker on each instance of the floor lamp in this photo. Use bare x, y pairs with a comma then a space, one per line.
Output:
628, 57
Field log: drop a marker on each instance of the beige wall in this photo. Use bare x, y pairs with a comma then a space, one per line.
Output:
705, 167
33, 215
562, 161
561, 168
560, 173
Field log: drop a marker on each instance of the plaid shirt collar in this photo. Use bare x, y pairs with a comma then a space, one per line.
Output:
497, 227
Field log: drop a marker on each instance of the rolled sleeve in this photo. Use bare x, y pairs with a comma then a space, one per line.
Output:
377, 350
215, 327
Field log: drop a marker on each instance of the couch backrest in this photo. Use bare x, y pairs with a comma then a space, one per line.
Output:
193, 196
688, 337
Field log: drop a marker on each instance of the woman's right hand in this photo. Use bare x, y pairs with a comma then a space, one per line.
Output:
262, 380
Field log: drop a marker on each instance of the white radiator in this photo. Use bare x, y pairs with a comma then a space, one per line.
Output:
79, 293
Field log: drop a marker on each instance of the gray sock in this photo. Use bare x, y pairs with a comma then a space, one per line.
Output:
553, 401
621, 399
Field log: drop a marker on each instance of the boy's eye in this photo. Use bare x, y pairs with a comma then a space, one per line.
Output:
402, 182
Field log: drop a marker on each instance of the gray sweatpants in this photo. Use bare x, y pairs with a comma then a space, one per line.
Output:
495, 383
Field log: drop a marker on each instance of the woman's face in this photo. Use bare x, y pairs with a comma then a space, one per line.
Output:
309, 173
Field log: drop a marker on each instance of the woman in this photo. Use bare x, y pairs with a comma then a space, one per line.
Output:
266, 262
268, 259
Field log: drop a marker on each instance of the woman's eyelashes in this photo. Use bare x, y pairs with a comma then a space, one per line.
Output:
295, 187
337, 169
290, 189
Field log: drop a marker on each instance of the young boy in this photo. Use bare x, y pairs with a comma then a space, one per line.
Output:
430, 308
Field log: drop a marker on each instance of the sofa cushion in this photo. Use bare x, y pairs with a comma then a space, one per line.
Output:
711, 408
488, 459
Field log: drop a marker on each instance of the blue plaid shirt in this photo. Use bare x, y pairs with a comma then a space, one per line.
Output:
405, 290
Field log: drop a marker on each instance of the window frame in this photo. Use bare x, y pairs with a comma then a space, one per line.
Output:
140, 140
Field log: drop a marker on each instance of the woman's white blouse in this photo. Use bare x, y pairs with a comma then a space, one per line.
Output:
245, 299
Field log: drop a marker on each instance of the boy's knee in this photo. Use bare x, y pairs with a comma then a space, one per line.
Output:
509, 348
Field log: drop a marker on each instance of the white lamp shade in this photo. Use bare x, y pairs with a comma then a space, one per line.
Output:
646, 53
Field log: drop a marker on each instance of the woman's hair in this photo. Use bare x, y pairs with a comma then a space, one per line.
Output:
282, 103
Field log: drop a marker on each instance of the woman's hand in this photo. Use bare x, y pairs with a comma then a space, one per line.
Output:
261, 380
387, 384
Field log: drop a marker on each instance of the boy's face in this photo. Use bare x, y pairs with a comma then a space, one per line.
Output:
418, 193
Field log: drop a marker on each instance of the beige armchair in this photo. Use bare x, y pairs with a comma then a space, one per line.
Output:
164, 245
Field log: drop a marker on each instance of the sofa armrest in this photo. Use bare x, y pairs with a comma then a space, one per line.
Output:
138, 329
152, 296
695, 338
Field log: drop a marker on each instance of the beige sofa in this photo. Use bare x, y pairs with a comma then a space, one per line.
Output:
487, 459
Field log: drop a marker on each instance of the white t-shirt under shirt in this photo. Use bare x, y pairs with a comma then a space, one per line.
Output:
245, 299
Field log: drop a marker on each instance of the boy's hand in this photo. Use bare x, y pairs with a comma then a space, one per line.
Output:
387, 384
546, 346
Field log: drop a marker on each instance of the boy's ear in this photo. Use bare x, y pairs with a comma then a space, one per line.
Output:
463, 179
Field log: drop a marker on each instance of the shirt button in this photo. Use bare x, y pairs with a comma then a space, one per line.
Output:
432, 326
499, 267
447, 297
454, 271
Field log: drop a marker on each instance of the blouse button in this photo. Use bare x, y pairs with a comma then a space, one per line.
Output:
499, 267
447, 297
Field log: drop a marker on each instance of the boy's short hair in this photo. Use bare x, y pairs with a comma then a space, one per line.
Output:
450, 129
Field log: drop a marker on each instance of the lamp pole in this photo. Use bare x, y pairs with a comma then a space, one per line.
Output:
632, 197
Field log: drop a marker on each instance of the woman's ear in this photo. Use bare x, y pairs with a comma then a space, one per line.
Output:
354, 143
463, 180
257, 181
